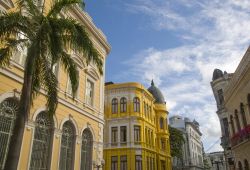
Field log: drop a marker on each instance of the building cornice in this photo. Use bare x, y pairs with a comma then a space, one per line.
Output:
87, 20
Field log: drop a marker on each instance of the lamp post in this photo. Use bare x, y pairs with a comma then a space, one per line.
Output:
100, 165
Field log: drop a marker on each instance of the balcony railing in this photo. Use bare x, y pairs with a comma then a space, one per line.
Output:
242, 135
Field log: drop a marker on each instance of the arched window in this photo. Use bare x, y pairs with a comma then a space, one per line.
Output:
161, 123
136, 104
8, 112
240, 166
246, 165
42, 143
114, 105
67, 147
232, 124
237, 120
243, 115
86, 150
123, 103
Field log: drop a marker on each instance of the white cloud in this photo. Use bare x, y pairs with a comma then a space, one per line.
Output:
215, 34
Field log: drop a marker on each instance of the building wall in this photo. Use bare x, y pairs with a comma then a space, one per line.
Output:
79, 112
149, 147
237, 99
192, 148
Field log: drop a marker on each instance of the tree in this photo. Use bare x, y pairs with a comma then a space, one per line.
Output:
176, 142
46, 36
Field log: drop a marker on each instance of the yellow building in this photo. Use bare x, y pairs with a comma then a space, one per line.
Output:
136, 133
74, 139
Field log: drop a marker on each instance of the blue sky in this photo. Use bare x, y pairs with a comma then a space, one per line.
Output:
178, 43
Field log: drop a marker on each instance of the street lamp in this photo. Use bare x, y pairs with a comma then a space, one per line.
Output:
98, 166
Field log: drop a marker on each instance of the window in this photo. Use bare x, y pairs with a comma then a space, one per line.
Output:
163, 144
161, 123
148, 163
240, 166
114, 134
145, 109
248, 102
137, 133
114, 105
19, 55
123, 162
123, 105
243, 115
163, 164
246, 165
232, 124
55, 69
69, 86
67, 147
136, 104
123, 136
8, 112
138, 162
237, 120
225, 125
42, 142
114, 163
86, 150
220, 96
90, 92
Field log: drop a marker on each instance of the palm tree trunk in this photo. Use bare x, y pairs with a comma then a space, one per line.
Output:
22, 116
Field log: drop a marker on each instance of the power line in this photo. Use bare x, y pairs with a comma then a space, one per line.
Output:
213, 145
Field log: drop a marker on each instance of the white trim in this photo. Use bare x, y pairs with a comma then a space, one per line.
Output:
31, 145
41, 109
72, 120
9, 95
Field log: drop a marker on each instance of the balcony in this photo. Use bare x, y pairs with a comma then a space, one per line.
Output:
241, 136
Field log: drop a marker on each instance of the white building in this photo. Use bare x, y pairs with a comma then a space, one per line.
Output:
216, 161
192, 149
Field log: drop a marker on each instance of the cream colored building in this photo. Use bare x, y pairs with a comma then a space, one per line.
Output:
74, 139
236, 96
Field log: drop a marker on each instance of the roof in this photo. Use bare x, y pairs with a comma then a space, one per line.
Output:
156, 93
217, 74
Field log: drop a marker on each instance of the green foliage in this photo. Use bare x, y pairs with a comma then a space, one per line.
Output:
176, 142
47, 38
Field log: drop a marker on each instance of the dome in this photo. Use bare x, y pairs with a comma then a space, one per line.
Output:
156, 93
217, 74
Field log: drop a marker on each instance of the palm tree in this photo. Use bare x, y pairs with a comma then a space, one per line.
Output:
46, 36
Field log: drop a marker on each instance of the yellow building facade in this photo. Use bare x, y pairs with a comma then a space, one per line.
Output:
136, 135
74, 139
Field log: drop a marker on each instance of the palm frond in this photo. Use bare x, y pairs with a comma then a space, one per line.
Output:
8, 50
29, 7
70, 67
77, 38
13, 23
59, 5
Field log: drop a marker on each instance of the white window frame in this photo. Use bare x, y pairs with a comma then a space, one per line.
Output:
88, 79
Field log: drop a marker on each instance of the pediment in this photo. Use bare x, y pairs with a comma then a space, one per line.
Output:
7, 4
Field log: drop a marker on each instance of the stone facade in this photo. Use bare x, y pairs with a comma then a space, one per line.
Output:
236, 104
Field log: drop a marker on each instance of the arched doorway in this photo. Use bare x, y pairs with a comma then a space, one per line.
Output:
86, 150
67, 147
240, 166
42, 142
8, 114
